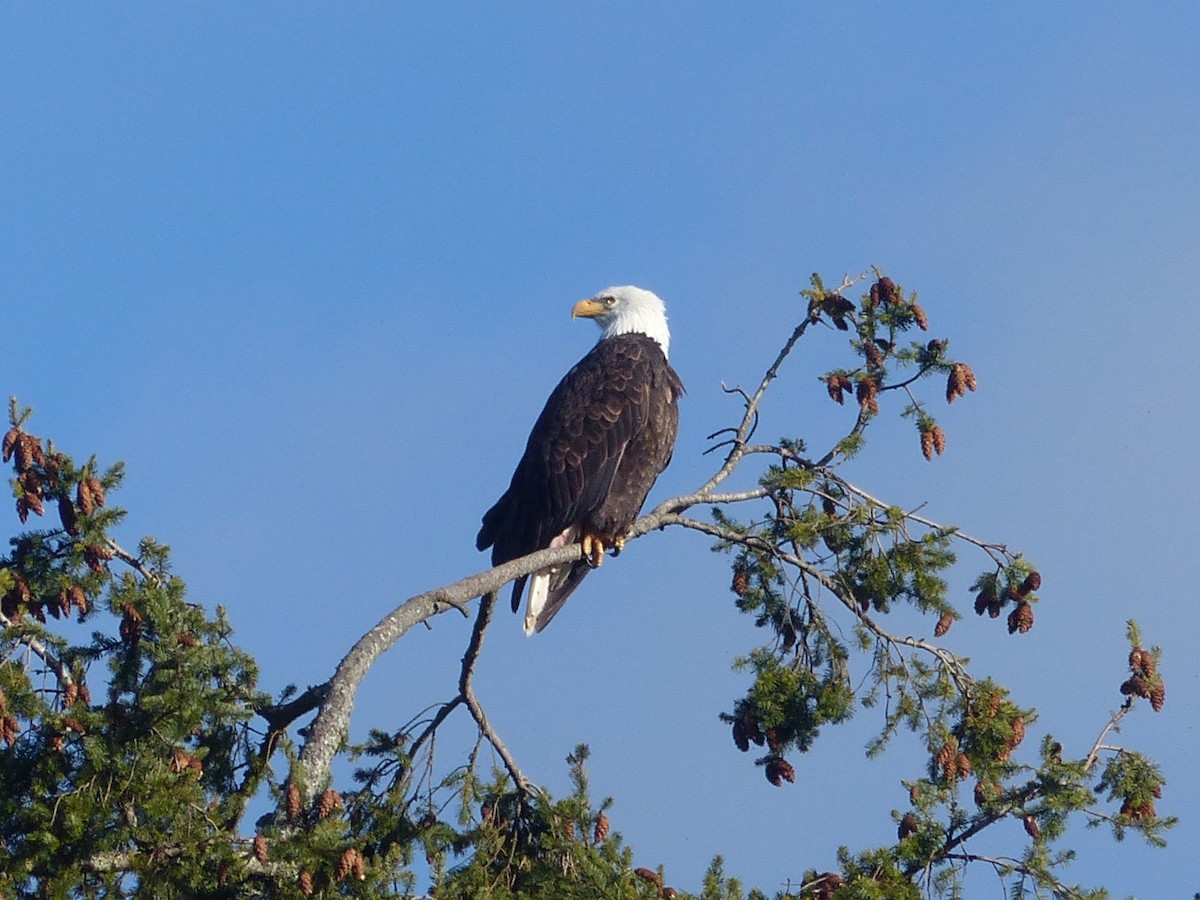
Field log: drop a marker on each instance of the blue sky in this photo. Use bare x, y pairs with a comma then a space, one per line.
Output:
308, 270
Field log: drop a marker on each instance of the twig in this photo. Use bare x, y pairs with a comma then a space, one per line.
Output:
487, 605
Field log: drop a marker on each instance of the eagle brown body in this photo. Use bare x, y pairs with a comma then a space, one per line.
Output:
606, 432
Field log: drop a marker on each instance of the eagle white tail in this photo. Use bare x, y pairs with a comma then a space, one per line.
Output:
550, 588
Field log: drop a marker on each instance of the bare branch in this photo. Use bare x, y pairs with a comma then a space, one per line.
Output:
328, 730
487, 606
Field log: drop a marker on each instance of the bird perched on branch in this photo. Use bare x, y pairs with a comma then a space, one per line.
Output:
602, 439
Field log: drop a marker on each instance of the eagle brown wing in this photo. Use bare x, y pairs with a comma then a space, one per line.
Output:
604, 435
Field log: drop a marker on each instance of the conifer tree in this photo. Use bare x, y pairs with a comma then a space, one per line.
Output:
134, 735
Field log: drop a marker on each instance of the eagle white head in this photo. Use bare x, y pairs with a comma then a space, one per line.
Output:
627, 309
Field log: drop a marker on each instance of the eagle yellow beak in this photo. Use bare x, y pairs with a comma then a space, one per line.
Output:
588, 309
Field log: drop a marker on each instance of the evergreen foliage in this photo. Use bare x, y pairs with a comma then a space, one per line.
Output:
134, 736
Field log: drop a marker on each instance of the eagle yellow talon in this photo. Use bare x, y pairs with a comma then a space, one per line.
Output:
618, 546
593, 550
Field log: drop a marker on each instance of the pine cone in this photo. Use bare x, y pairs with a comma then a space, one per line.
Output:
1142, 662
741, 582
939, 440
600, 832
945, 759
961, 380
10, 729
1136, 686
927, 444
740, 739
867, 393
96, 489
292, 801
1032, 582
908, 825
328, 802
873, 354
305, 883
837, 385
647, 874
180, 761
1021, 618
83, 497
885, 291
78, 598
780, 770
983, 600
943, 624
962, 766
67, 516
12, 438
351, 863
919, 316
260, 848
1018, 733
1158, 695
131, 625
985, 792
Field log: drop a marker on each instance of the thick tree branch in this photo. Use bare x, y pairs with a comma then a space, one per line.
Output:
328, 730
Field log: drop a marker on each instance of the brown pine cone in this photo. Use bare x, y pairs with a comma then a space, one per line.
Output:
83, 497
1158, 695
292, 801
908, 825
919, 316
1136, 686
260, 848
11, 439
780, 770
1018, 733
962, 765
1021, 618
740, 739
600, 832
885, 291
943, 624
867, 393
873, 354
927, 444
741, 582
646, 874
96, 489
1032, 582
328, 802
960, 380
77, 598
305, 883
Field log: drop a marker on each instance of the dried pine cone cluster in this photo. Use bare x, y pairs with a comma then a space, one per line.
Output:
838, 386
1020, 619
951, 763
351, 864
933, 440
19, 600
1145, 682
780, 770
746, 730
961, 380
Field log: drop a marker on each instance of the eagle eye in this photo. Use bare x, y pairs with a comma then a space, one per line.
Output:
610, 302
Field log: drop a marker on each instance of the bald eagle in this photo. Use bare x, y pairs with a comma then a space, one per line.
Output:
602, 439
